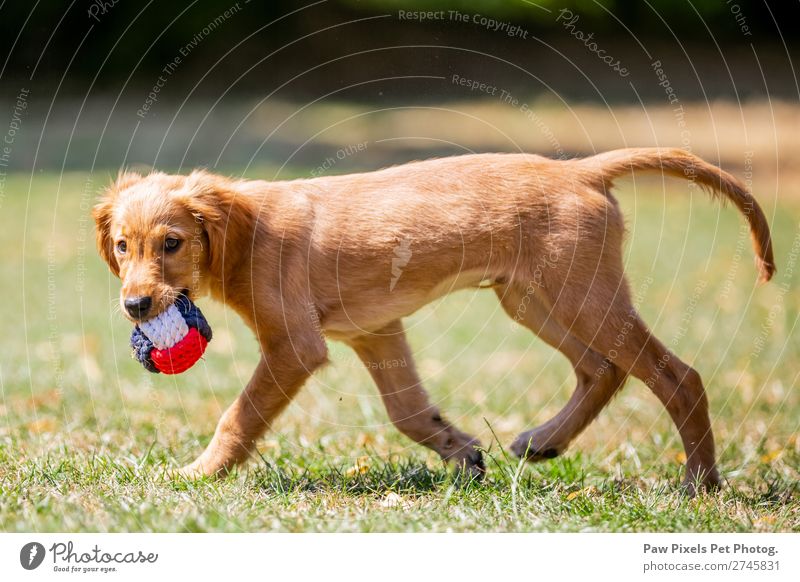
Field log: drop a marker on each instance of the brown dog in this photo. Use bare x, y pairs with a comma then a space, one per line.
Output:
347, 257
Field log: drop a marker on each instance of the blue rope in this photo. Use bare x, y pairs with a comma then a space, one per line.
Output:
142, 346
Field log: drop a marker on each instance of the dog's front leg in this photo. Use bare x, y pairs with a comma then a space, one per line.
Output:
284, 367
388, 358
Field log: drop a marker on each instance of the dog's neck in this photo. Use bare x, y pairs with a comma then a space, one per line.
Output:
275, 217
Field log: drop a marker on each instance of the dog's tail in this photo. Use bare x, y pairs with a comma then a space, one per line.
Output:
720, 184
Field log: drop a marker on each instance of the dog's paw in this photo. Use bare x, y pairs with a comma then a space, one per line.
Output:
190, 472
471, 466
468, 465
529, 446
186, 473
701, 481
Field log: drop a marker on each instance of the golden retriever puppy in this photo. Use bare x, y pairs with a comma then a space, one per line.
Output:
348, 257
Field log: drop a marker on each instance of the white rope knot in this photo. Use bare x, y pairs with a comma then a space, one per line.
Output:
165, 329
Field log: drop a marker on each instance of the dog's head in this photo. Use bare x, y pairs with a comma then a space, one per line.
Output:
161, 235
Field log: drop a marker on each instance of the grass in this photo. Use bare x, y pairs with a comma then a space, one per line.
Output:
85, 433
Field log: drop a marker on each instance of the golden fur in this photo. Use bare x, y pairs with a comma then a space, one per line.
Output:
348, 257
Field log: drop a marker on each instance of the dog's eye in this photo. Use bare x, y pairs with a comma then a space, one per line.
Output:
172, 244
122, 246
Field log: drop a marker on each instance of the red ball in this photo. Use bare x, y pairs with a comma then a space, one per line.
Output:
182, 355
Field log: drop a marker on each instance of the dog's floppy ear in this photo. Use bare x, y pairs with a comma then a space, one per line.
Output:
103, 213
225, 217
102, 222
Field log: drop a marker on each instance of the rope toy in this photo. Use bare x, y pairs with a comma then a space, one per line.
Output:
172, 341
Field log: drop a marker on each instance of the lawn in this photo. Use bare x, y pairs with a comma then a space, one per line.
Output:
86, 433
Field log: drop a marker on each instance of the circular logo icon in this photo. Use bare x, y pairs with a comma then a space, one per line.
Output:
31, 555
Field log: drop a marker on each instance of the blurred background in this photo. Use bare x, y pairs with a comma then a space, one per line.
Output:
289, 83
283, 90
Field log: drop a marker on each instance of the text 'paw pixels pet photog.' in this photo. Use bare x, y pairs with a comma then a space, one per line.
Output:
172, 341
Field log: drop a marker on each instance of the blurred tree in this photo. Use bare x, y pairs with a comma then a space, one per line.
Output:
107, 43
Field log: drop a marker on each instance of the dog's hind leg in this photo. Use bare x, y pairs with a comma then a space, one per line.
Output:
598, 379
601, 315
388, 358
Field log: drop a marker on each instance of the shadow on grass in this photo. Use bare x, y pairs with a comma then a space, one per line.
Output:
772, 492
408, 477
413, 476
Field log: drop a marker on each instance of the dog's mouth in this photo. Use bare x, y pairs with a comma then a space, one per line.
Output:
160, 307
177, 296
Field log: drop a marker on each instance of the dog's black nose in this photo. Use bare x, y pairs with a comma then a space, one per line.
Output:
138, 306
